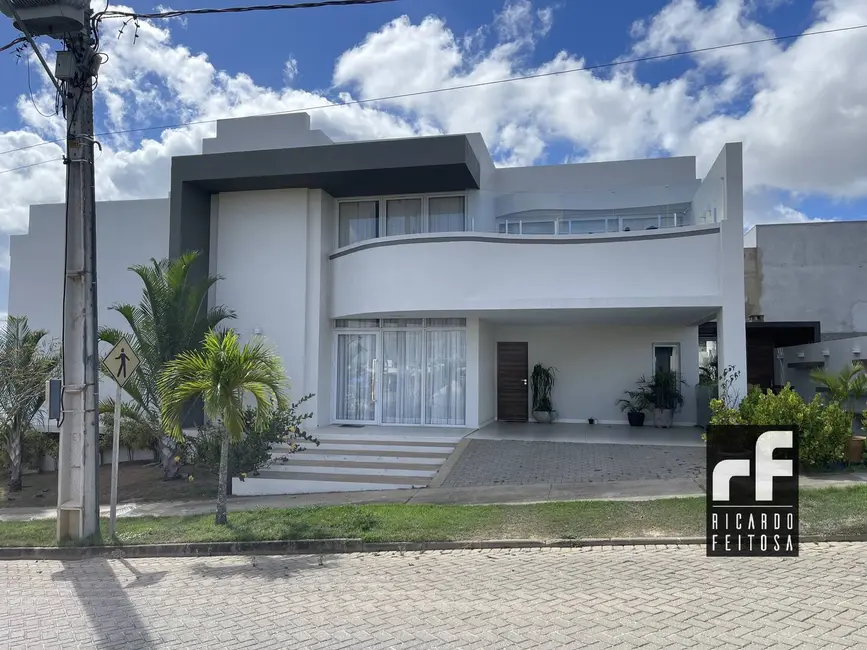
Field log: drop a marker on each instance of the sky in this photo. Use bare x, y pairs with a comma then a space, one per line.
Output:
799, 106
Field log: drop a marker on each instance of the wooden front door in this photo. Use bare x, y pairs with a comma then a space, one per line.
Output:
512, 389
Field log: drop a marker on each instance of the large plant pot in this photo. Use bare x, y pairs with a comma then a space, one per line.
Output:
545, 417
662, 418
636, 418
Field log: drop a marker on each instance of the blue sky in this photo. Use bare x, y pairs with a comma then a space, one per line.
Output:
794, 105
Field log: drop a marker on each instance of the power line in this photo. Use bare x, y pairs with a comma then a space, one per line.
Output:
42, 162
481, 84
17, 41
111, 13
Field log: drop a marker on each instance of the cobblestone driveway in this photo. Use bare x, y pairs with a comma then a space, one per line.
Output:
653, 597
508, 462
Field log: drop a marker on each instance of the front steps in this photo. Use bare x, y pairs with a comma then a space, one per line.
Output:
352, 459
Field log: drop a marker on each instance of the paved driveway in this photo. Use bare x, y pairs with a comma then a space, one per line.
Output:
510, 462
653, 597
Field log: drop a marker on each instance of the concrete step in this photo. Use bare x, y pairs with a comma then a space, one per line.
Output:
312, 477
403, 438
280, 485
370, 450
349, 462
335, 469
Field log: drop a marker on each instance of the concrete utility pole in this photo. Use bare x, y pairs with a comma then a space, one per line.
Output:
75, 71
78, 481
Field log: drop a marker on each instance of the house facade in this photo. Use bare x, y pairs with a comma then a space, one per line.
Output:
410, 282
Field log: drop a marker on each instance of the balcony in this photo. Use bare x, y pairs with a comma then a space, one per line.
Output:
591, 222
475, 271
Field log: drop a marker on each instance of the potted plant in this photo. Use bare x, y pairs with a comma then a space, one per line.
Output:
633, 405
663, 396
543, 383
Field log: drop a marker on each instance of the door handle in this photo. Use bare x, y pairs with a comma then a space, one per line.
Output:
524, 381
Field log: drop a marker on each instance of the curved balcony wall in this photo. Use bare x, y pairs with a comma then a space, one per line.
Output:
473, 271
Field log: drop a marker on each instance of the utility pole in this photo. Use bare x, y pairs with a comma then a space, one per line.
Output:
78, 482
75, 71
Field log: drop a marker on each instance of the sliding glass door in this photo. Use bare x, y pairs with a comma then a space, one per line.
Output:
446, 377
356, 377
401, 371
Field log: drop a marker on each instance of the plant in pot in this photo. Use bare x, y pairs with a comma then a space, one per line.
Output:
663, 395
633, 405
542, 381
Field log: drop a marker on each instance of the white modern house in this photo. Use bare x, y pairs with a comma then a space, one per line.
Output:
410, 283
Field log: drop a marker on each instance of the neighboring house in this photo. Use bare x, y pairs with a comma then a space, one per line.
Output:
390, 275
809, 272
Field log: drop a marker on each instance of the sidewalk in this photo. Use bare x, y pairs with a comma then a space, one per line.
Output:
481, 495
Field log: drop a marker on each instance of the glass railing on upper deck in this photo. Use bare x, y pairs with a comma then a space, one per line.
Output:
585, 222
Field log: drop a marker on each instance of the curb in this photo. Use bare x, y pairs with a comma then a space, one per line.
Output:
340, 546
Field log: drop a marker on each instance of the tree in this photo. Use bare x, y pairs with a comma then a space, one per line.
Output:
845, 387
27, 362
223, 374
172, 317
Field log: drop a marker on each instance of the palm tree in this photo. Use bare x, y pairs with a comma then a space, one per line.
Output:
172, 317
26, 363
845, 387
223, 374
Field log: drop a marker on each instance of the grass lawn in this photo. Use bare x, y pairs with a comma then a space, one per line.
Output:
825, 511
137, 482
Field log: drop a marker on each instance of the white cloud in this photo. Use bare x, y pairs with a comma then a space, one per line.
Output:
799, 108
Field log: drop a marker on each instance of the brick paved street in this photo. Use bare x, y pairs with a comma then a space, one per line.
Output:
653, 597
509, 462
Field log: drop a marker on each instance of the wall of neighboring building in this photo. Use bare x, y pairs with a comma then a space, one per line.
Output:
811, 272
840, 353
596, 364
128, 233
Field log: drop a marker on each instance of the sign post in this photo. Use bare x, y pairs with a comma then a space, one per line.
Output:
120, 363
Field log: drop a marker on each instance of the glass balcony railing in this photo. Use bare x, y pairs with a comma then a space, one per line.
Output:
562, 222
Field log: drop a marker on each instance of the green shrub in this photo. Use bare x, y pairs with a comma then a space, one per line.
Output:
823, 428
36, 445
253, 452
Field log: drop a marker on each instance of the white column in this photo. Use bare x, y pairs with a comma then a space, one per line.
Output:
472, 415
731, 319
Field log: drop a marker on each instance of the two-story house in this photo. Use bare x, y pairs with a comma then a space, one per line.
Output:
412, 282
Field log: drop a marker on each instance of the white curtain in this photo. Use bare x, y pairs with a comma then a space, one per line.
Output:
401, 377
446, 386
358, 221
446, 214
356, 354
403, 217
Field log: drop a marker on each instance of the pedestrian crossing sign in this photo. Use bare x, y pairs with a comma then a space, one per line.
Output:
121, 362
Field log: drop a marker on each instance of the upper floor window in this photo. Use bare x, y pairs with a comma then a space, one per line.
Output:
385, 217
358, 220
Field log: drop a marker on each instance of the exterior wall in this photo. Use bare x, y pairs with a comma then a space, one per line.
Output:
812, 272
522, 275
269, 254
266, 132
595, 365
487, 373
128, 233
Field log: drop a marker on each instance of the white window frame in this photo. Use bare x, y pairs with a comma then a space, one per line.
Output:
383, 207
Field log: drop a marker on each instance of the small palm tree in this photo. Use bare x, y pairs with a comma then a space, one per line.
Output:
223, 374
27, 361
844, 387
172, 317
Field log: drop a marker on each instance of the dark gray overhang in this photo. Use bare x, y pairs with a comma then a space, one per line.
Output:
380, 167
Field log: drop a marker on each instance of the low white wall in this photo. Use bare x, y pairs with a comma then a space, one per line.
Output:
595, 365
